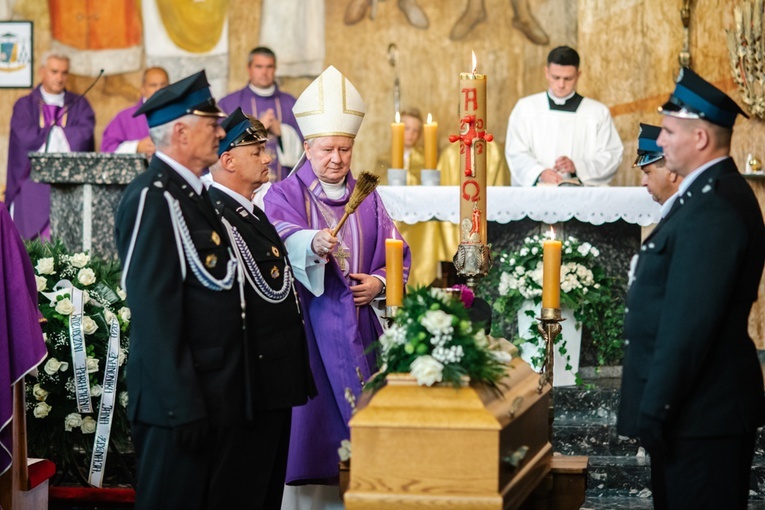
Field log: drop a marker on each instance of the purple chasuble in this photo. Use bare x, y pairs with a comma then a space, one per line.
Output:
338, 332
29, 131
124, 128
21, 341
252, 104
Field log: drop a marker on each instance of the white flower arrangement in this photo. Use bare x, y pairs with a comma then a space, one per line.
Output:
595, 297
56, 429
433, 339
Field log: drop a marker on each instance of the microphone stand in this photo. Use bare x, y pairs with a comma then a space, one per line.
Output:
66, 108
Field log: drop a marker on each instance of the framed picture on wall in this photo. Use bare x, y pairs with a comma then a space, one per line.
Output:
16, 61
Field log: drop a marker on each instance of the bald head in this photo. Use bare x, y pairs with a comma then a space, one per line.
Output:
154, 78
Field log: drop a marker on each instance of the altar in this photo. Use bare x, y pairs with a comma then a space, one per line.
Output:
615, 219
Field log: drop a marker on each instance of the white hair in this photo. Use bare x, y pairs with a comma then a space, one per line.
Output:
53, 54
162, 135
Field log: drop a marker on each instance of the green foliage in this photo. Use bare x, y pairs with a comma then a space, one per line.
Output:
595, 297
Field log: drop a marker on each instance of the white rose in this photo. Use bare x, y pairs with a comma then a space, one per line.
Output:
123, 398
45, 266
437, 322
427, 370
480, 339
41, 410
72, 421
121, 293
86, 276
345, 450
108, 316
91, 364
52, 366
85, 297
121, 357
39, 393
89, 326
88, 425
96, 390
65, 306
502, 356
41, 282
124, 314
80, 259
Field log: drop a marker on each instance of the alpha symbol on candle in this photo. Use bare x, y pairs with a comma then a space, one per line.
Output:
471, 98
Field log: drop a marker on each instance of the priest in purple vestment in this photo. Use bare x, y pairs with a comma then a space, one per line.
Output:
340, 278
21, 341
128, 134
262, 99
50, 119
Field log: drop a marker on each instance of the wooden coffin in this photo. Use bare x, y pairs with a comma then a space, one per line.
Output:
454, 448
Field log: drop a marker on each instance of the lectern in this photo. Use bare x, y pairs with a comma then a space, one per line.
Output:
86, 188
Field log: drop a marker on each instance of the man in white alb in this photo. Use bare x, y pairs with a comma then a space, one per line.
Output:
558, 135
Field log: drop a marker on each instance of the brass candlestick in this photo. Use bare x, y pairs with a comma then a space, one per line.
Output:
549, 327
390, 313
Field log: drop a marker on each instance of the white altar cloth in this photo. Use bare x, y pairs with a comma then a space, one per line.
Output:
547, 204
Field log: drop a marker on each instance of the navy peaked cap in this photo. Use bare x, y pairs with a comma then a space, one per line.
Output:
648, 150
189, 96
696, 98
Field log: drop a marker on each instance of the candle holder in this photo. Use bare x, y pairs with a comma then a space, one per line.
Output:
390, 314
472, 261
396, 177
549, 327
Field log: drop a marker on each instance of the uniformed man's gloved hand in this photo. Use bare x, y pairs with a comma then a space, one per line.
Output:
192, 436
651, 431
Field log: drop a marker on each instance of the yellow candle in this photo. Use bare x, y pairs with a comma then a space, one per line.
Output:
394, 272
397, 143
430, 134
551, 273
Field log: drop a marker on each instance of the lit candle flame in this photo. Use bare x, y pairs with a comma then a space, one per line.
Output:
430, 118
475, 61
398, 117
393, 234
551, 233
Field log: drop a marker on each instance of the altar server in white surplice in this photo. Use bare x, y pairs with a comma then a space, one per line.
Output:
558, 134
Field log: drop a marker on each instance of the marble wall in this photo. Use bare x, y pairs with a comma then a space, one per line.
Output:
629, 50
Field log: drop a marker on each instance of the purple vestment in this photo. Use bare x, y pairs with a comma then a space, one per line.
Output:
252, 104
338, 332
124, 128
29, 131
21, 342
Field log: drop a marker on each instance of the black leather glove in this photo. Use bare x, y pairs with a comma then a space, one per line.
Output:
192, 436
651, 431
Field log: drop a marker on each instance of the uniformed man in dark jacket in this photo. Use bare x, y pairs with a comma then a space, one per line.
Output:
692, 386
276, 350
186, 371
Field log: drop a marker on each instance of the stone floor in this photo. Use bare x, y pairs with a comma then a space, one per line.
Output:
618, 469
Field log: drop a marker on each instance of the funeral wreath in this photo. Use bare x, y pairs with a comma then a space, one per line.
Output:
595, 297
76, 406
433, 339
